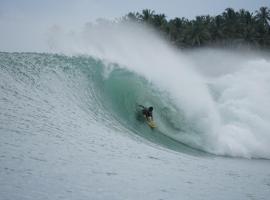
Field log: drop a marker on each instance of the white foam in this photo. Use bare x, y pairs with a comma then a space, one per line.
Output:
235, 122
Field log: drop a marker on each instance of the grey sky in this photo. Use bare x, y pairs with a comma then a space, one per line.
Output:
23, 21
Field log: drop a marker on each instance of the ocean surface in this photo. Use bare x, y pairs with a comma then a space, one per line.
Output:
70, 126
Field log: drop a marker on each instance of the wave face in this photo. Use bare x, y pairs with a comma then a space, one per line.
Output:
225, 114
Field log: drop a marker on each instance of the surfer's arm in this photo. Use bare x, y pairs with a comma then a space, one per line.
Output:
141, 106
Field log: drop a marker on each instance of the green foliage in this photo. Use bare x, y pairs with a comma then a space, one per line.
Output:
229, 28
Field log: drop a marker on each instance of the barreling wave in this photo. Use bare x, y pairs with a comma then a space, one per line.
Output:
55, 93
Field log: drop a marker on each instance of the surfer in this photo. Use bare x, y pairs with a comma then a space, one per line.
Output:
147, 112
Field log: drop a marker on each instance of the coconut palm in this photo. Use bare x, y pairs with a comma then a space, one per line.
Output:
263, 16
216, 29
230, 27
262, 27
197, 32
159, 20
147, 15
230, 21
246, 26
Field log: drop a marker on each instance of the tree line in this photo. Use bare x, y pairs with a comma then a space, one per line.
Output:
228, 28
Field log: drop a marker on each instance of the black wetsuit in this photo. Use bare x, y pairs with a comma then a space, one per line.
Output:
146, 112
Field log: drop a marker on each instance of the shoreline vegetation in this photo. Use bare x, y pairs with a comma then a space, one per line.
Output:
229, 29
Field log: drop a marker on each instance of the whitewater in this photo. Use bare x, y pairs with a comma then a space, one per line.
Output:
69, 126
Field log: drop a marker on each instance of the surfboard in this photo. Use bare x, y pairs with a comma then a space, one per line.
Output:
151, 123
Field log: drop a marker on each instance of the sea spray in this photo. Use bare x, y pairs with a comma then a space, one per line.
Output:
140, 50
228, 113
198, 102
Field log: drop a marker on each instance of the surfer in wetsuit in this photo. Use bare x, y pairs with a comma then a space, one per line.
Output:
147, 112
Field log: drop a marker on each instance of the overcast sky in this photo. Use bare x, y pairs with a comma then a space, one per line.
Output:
24, 21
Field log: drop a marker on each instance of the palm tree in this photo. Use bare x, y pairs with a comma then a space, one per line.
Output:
263, 16
197, 33
147, 15
263, 29
174, 26
217, 26
229, 26
159, 20
246, 26
176, 29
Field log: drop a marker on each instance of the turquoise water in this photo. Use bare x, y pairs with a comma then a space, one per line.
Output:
70, 130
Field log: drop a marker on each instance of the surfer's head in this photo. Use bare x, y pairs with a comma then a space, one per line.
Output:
151, 108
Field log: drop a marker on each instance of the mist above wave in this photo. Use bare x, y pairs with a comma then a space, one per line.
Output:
224, 94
